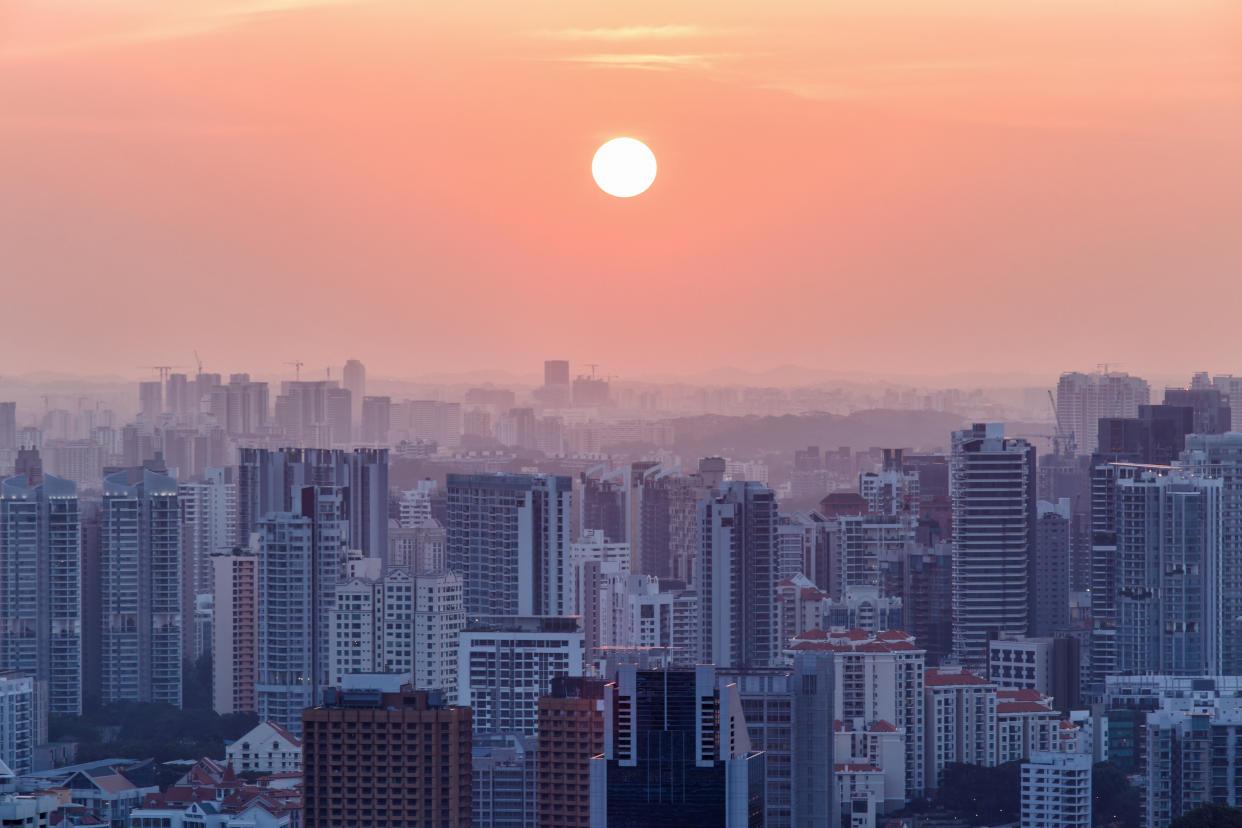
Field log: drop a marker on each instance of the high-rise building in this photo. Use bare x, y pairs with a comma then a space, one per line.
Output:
19, 714
385, 756
893, 490
140, 588
505, 664
1191, 759
592, 546
208, 527
354, 378
1167, 571
789, 716
509, 537
1211, 415
267, 480
960, 709
676, 752
301, 560
1049, 610
242, 407
504, 787
235, 630
878, 684
862, 544
1220, 456
993, 490
1056, 790
150, 402
438, 621
556, 372
41, 585
737, 568
571, 731
376, 419
373, 627
1083, 399
8, 426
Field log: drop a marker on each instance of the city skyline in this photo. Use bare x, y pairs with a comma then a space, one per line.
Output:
918, 163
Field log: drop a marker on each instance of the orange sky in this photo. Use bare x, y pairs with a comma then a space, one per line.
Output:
897, 186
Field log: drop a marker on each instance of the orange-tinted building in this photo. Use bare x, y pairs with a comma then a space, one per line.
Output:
571, 731
386, 758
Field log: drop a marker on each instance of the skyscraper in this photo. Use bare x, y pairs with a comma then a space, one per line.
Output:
208, 527
1083, 399
993, 491
354, 378
140, 588
150, 401
737, 568
505, 664
41, 586
508, 535
301, 557
8, 426
235, 630
1049, 610
1167, 572
375, 419
267, 480
1220, 456
676, 753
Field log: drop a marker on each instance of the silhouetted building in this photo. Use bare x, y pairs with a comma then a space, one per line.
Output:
676, 753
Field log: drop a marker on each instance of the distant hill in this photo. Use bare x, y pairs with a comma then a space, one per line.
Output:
755, 435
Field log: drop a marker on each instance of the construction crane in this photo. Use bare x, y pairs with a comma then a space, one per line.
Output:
164, 370
297, 368
1063, 439
198, 360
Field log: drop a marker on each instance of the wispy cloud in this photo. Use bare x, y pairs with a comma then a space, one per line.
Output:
650, 61
177, 23
669, 31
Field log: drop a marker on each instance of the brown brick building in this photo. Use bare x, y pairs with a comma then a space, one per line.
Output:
571, 731
386, 759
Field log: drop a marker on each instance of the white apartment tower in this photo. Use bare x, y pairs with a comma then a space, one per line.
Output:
992, 485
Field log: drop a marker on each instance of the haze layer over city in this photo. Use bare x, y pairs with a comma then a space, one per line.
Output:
586, 415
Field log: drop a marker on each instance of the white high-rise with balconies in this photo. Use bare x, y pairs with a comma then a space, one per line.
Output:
1082, 399
992, 484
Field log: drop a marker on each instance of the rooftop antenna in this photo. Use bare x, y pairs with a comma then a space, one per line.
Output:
297, 368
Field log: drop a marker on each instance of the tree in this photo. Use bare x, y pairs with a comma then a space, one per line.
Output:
983, 796
1209, 815
1114, 801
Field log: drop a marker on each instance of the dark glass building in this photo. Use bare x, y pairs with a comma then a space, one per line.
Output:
676, 753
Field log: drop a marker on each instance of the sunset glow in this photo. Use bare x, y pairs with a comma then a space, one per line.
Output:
911, 161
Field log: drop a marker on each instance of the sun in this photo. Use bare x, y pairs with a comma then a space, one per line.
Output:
624, 167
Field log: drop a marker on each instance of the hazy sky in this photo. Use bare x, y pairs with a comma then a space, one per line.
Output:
888, 185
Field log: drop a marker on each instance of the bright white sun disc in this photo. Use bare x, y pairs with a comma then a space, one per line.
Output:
623, 167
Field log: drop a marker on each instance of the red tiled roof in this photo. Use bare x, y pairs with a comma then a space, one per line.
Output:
883, 727
812, 594
786, 583
1021, 707
816, 634
284, 734
1024, 694
894, 635
1066, 724
935, 678
838, 725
